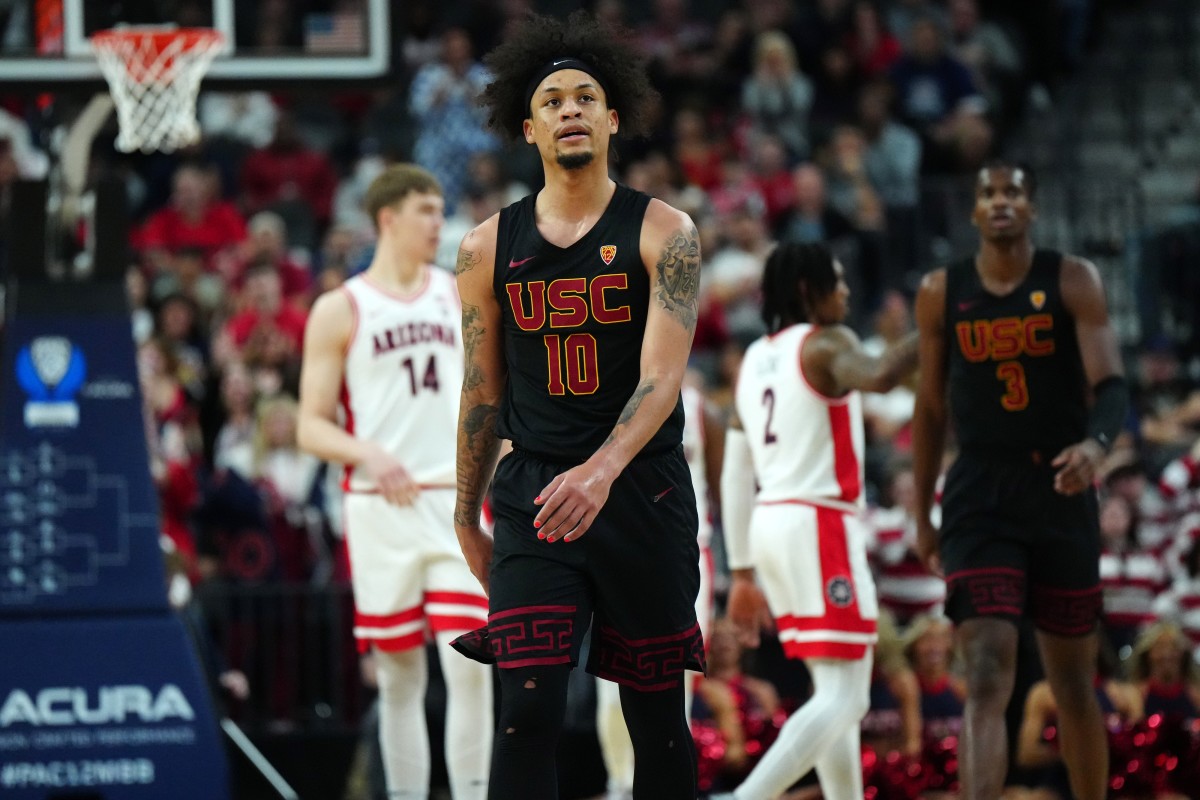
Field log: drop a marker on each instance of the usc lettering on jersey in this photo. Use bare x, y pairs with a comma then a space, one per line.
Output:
403, 375
805, 446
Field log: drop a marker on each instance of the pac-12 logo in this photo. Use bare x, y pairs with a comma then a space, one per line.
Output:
607, 253
51, 370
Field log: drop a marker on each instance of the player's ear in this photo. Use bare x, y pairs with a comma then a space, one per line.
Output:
527, 129
613, 122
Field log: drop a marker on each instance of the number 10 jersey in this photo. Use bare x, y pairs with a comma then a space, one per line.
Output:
403, 375
574, 319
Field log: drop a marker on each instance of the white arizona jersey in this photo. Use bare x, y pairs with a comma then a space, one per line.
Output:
805, 446
403, 375
693, 451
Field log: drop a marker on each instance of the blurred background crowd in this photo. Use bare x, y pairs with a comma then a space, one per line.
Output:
854, 122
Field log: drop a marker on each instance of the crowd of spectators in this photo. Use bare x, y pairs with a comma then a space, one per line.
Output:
779, 121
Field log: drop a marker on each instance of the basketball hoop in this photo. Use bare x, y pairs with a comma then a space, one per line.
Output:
154, 75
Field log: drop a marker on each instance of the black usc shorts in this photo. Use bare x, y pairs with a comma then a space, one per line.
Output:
1010, 545
633, 577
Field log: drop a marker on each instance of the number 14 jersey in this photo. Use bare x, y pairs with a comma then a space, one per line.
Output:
403, 374
806, 446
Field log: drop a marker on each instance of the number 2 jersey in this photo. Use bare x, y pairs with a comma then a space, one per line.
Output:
806, 446
403, 375
574, 318
1015, 376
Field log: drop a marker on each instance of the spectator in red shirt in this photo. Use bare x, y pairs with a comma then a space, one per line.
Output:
268, 244
291, 179
873, 47
195, 219
267, 331
695, 151
773, 178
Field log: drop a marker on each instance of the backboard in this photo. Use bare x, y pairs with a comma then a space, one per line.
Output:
44, 44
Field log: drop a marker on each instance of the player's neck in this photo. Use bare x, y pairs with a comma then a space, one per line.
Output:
400, 272
577, 193
1005, 262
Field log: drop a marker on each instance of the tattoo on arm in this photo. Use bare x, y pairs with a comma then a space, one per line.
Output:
467, 259
472, 333
631, 408
678, 279
477, 449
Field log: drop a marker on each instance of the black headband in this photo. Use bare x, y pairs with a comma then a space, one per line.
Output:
554, 65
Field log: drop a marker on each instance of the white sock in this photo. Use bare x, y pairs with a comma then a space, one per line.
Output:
470, 721
615, 744
402, 680
823, 733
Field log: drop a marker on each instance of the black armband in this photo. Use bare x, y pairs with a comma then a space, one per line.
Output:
1108, 413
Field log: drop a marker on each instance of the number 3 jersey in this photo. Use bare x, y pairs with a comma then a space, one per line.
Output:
806, 446
403, 375
1015, 376
574, 318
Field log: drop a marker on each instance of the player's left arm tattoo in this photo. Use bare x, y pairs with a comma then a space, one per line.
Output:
631, 408
678, 276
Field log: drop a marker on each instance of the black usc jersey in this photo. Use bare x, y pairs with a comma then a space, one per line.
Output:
574, 320
1015, 375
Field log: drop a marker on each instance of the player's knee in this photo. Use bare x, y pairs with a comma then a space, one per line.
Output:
856, 703
401, 675
531, 709
989, 674
655, 718
845, 711
467, 679
1074, 694
842, 692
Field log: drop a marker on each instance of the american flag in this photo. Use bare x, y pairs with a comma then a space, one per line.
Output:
335, 34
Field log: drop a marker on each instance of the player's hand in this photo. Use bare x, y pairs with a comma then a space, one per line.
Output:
571, 502
927, 547
747, 609
1078, 465
477, 550
395, 484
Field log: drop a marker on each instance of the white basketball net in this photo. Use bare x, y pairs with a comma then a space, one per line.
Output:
154, 75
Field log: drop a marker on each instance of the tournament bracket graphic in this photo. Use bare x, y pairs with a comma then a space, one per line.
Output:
101, 693
78, 512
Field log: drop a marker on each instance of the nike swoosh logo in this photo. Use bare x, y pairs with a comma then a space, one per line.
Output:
662, 494
512, 263
556, 63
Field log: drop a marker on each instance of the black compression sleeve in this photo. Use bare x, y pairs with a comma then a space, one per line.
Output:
1109, 411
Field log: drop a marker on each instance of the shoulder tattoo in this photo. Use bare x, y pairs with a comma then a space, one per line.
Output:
678, 276
467, 259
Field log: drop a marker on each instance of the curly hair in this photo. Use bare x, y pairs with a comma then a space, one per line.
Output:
540, 39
